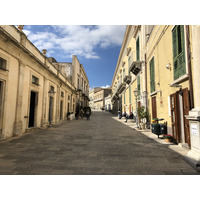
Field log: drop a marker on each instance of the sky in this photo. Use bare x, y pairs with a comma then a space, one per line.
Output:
96, 46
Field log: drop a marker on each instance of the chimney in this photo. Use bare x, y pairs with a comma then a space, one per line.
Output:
44, 51
20, 27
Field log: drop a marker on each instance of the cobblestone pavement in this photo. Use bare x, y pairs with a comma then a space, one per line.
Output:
101, 146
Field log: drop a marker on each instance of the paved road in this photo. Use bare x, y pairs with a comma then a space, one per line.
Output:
99, 146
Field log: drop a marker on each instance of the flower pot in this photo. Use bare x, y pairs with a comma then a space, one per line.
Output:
168, 140
143, 125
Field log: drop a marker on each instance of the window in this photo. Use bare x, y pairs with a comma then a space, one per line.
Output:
3, 64
178, 51
138, 49
35, 80
152, 75
124, 73
138, 86
129, 64
124, 97
62, 94
52, 89
129, 94
68, 97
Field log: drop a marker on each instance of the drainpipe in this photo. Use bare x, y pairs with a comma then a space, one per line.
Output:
145, 63
189, 66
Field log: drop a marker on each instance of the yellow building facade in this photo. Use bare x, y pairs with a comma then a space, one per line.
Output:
127, 78
168, 79
157, 61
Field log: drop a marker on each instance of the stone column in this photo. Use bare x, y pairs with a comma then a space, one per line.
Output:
18, 124
194, 114
58, 105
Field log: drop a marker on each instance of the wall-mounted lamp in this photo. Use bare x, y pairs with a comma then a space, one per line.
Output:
168, 66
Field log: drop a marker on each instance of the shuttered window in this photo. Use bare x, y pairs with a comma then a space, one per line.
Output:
138, 49
178, 51
129, 94
124, 73
152, 75
124, 97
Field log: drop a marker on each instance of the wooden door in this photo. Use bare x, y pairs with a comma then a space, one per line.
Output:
186, 108
129, 109
154, 109
174, 116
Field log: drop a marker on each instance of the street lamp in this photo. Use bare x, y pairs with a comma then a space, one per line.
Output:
136, 93
51, 94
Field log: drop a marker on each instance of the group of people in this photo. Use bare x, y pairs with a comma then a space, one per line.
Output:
131, 116
81, 112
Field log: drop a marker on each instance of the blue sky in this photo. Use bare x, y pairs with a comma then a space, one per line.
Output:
97, 47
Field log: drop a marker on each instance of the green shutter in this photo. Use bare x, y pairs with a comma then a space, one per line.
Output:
138, 49
174, 40
125, 97
182, 67
178, 51
152, 75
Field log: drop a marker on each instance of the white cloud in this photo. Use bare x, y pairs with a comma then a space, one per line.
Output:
107, 86
78, 40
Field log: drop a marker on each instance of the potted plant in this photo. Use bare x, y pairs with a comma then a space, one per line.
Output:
168, 138
142, 114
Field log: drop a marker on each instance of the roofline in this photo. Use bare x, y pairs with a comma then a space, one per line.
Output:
128, 29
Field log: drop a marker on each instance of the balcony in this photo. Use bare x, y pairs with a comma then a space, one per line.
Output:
121, 88
100, 99
135, 67
114, 97
127, 79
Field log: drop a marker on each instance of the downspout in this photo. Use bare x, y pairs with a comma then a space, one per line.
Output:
145, 63
189, 66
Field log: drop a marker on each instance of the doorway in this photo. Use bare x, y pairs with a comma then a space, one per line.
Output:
51, 104
1, 107
180, 107
32, 110
61, 110
153, 108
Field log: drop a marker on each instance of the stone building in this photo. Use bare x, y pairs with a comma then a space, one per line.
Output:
108, 103
34, 90
130, 73
91, 97
76, 75
99, 98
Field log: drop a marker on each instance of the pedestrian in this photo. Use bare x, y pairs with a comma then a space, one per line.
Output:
77, 115
87, 114
81, 113
131, 116
126, 116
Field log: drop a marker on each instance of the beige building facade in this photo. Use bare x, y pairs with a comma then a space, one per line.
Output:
34, 92
91, 97
99, 98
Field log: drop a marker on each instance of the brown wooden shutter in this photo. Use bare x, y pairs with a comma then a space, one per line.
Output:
186, 109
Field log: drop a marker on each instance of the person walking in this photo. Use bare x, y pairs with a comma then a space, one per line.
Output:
126, 116
81, 113
87, 114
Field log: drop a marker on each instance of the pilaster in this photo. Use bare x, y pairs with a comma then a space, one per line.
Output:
18, 124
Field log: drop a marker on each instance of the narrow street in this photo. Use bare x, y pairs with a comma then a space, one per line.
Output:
100, 146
